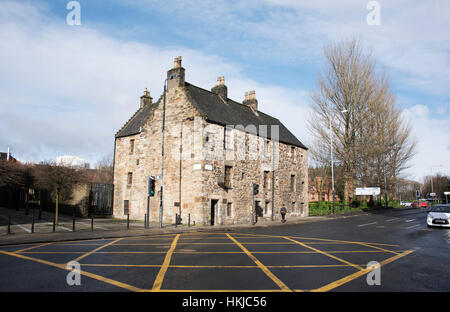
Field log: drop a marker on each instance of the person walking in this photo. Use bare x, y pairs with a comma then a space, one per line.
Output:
283, 212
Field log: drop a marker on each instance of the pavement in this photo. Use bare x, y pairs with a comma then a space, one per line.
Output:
109, 228
329, 254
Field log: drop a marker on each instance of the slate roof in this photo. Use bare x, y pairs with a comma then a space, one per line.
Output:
217, 111
134, 124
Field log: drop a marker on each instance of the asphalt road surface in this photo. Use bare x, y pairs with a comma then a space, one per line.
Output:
331, 255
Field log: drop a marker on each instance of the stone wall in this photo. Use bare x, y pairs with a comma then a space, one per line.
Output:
194, 164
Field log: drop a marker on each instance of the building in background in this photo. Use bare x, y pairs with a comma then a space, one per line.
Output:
72, 161
215, 148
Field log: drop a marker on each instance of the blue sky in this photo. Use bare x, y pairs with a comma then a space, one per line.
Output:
67, 89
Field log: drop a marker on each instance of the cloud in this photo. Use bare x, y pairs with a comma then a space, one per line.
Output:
433, 135
67, 90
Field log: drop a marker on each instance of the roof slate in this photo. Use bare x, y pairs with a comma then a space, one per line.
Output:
218, 111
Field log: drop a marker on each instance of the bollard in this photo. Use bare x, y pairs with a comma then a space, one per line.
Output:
92, 223
145, 221
189, 220
54, 224
9, 225
73, 224
128, 221
32, 222
176, 220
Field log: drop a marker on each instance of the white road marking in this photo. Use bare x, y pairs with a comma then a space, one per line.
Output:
367, 224
410, 220
391, 220
410, 227
14, 223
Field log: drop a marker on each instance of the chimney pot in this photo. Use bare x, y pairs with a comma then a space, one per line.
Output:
177, 62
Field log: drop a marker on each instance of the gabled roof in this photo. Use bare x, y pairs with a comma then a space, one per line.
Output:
230, 112
137, 121
217, 111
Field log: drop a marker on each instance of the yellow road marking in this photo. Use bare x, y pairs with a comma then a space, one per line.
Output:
324, 253
222, 290
162, 272
64, 267
32, 247
261, 266
217, 266
351, 277
206, 252
320, 239
96, 249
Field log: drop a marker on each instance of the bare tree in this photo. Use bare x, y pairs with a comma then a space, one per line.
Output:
104, 169
58, 179
355, 105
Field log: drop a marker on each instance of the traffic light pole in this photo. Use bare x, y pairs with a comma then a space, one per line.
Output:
253, 204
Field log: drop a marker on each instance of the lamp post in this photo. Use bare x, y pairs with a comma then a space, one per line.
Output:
332, 161
431, 169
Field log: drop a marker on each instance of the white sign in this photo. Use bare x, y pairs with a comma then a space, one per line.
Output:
367, 191
446, 193
432, 194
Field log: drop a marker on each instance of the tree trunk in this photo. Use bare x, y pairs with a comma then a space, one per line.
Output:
56, 207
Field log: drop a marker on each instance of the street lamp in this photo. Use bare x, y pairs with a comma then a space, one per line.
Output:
331, 156
431, 169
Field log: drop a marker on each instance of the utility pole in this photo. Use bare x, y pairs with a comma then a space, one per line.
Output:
162, 156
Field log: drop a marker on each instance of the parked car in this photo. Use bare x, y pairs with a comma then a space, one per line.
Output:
439, 215
419, 204
405, 203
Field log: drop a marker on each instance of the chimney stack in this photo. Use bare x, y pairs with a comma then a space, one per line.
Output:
250, 100
175, 76
146, 99
220, 88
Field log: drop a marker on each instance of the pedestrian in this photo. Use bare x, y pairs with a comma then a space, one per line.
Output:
283, 214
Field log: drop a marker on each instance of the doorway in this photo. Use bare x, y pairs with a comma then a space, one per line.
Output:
213, 210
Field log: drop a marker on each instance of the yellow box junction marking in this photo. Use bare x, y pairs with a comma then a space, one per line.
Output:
261, 266
362, 272
160, 277
166, 264
325, 253
96, 249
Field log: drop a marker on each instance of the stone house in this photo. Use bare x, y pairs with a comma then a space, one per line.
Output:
213, 150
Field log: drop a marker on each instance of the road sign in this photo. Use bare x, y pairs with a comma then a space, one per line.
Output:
446, 193
367, 191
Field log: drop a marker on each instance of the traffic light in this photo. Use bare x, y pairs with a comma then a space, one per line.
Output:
151, 186
255, 189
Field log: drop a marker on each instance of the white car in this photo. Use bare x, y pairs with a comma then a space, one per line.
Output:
405, 203
439, 215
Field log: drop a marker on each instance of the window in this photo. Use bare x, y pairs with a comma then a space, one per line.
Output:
293, 152
227, 180
137, 162
131, 146
266, 180
227, 139
130, 178
312, 196
293, 206
126, 207
228, 209
208, 137
266, 148
266, 207
292, 182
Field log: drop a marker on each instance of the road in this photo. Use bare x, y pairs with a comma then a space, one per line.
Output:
330, 255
